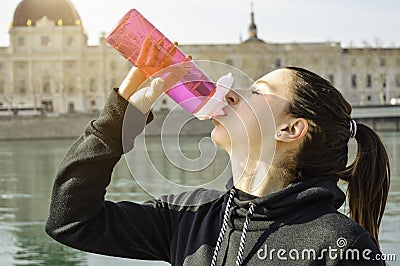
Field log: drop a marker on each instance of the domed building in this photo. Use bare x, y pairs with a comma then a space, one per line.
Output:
49, 64
62, 12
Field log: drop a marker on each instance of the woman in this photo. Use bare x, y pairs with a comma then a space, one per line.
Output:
282, 209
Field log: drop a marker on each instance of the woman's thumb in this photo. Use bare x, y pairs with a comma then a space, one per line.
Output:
157, 84
145, 98
155, 90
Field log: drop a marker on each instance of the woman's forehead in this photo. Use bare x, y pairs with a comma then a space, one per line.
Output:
278, 82
278, 76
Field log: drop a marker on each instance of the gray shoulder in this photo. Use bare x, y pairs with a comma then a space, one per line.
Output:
337, 226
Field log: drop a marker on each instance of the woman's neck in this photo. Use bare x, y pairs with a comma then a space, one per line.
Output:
256, 177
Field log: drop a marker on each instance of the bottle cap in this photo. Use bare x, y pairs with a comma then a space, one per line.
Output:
215, 103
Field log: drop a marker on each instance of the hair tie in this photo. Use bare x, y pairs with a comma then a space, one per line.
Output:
353, 128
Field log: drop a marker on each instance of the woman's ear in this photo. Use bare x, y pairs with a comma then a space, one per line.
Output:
293, 130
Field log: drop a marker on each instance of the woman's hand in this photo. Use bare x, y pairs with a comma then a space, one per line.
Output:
149, 62
144, 98
151, 59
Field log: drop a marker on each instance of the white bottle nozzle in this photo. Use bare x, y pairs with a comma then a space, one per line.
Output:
226, 80
213, 106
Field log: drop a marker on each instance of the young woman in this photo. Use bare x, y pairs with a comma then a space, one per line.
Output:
282, 208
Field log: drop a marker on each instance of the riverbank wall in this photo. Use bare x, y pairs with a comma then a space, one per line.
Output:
73, 125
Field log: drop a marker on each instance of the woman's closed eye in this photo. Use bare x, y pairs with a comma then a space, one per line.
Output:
255, 90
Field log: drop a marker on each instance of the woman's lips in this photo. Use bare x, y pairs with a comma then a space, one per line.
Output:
215, 122
217, 119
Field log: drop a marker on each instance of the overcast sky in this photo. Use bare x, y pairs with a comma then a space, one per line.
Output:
351, 22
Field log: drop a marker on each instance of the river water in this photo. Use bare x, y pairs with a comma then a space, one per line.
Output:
27, 169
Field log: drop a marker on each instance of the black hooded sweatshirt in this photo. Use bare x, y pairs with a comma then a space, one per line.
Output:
299, 225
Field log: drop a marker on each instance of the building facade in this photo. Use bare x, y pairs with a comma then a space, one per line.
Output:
49, 63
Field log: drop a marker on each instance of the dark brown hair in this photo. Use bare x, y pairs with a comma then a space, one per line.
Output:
324, 151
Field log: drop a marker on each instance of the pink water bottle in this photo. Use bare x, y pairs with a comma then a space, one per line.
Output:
190, 88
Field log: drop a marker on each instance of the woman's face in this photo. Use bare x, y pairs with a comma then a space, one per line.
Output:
252, 115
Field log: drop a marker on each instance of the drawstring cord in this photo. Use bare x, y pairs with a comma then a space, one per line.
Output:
223, 228
239, 258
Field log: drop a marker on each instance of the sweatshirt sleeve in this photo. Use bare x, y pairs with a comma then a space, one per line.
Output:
79, 215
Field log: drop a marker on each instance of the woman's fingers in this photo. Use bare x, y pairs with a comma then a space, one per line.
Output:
142, 58
131, 83
168, 59
187, 59
155, 54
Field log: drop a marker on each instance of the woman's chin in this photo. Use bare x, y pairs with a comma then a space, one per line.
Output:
220, 136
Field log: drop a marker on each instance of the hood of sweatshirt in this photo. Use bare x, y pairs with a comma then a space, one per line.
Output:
284, 205
246, 212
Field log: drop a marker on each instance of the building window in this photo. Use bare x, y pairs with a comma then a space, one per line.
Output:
70, 41
92, 85
48, 106
71, 108
369, 81
93, 103
278, 62
70, 64
70, 88
22, 86
397, 80
21, 41
383, 80
382, 62
46, 84
331, 78
45, 40
164, 101
369, 98
21, 65
354, 81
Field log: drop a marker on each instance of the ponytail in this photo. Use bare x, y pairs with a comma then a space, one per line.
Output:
369, 178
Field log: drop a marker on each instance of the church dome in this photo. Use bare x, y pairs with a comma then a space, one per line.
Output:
28, 12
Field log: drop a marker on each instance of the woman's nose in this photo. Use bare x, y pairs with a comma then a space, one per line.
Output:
232, 98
